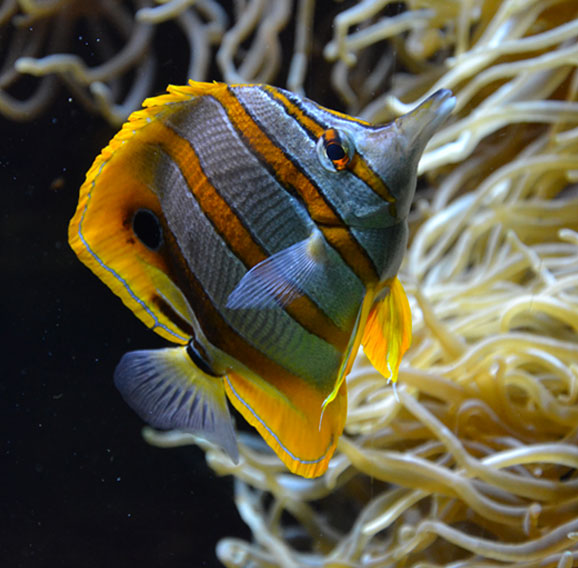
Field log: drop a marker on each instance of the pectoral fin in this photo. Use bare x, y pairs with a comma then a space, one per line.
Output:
387, 333
167, 390
282, 277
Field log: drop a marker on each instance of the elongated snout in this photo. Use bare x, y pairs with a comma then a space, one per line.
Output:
420, 124
394, 149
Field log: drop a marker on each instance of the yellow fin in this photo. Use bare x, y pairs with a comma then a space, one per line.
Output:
352, 347
118, 186
387, 333
291, 422
179, 94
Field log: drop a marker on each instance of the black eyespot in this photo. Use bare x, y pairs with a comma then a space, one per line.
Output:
147, 228
198, 357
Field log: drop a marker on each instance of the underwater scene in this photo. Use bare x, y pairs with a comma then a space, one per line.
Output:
350, 233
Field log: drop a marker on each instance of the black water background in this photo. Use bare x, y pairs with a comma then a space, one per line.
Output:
79, 487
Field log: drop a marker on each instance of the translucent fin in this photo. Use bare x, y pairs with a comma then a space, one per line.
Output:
352, 347
281, 278
387, 333
167, 390
290, 422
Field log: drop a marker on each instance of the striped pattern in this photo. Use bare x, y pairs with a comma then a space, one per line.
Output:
295, 125
310, 117
234, 176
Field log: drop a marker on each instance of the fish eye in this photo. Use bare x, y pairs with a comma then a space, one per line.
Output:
335, 149
147, 228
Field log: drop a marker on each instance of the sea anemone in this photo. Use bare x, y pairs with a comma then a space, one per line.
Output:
102, 51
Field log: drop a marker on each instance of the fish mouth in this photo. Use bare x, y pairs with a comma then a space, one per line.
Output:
420, 124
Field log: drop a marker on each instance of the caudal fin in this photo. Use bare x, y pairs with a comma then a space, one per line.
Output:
167, 390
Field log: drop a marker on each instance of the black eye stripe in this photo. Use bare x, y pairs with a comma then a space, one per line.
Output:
147, 228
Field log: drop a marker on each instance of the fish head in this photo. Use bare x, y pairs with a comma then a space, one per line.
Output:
393, 150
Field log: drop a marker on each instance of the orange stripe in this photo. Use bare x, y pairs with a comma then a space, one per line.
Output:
217, 210
312, 126
238, 238
365, 173
358, 164
293, 179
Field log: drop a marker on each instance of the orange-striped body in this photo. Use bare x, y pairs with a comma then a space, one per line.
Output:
260, 230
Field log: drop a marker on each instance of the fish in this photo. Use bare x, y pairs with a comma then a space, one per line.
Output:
260, 234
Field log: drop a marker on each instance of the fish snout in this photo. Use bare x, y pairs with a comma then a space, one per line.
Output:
419, 125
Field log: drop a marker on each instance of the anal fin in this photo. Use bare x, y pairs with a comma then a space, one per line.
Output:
290, 422
167, 390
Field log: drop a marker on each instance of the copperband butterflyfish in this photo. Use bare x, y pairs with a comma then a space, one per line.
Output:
261, 234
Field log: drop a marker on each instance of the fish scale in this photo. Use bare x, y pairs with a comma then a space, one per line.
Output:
223, 157
272, 331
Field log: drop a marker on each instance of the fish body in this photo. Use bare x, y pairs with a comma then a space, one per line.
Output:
262, 233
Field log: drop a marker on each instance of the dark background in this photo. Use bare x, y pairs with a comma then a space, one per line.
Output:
79, 487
